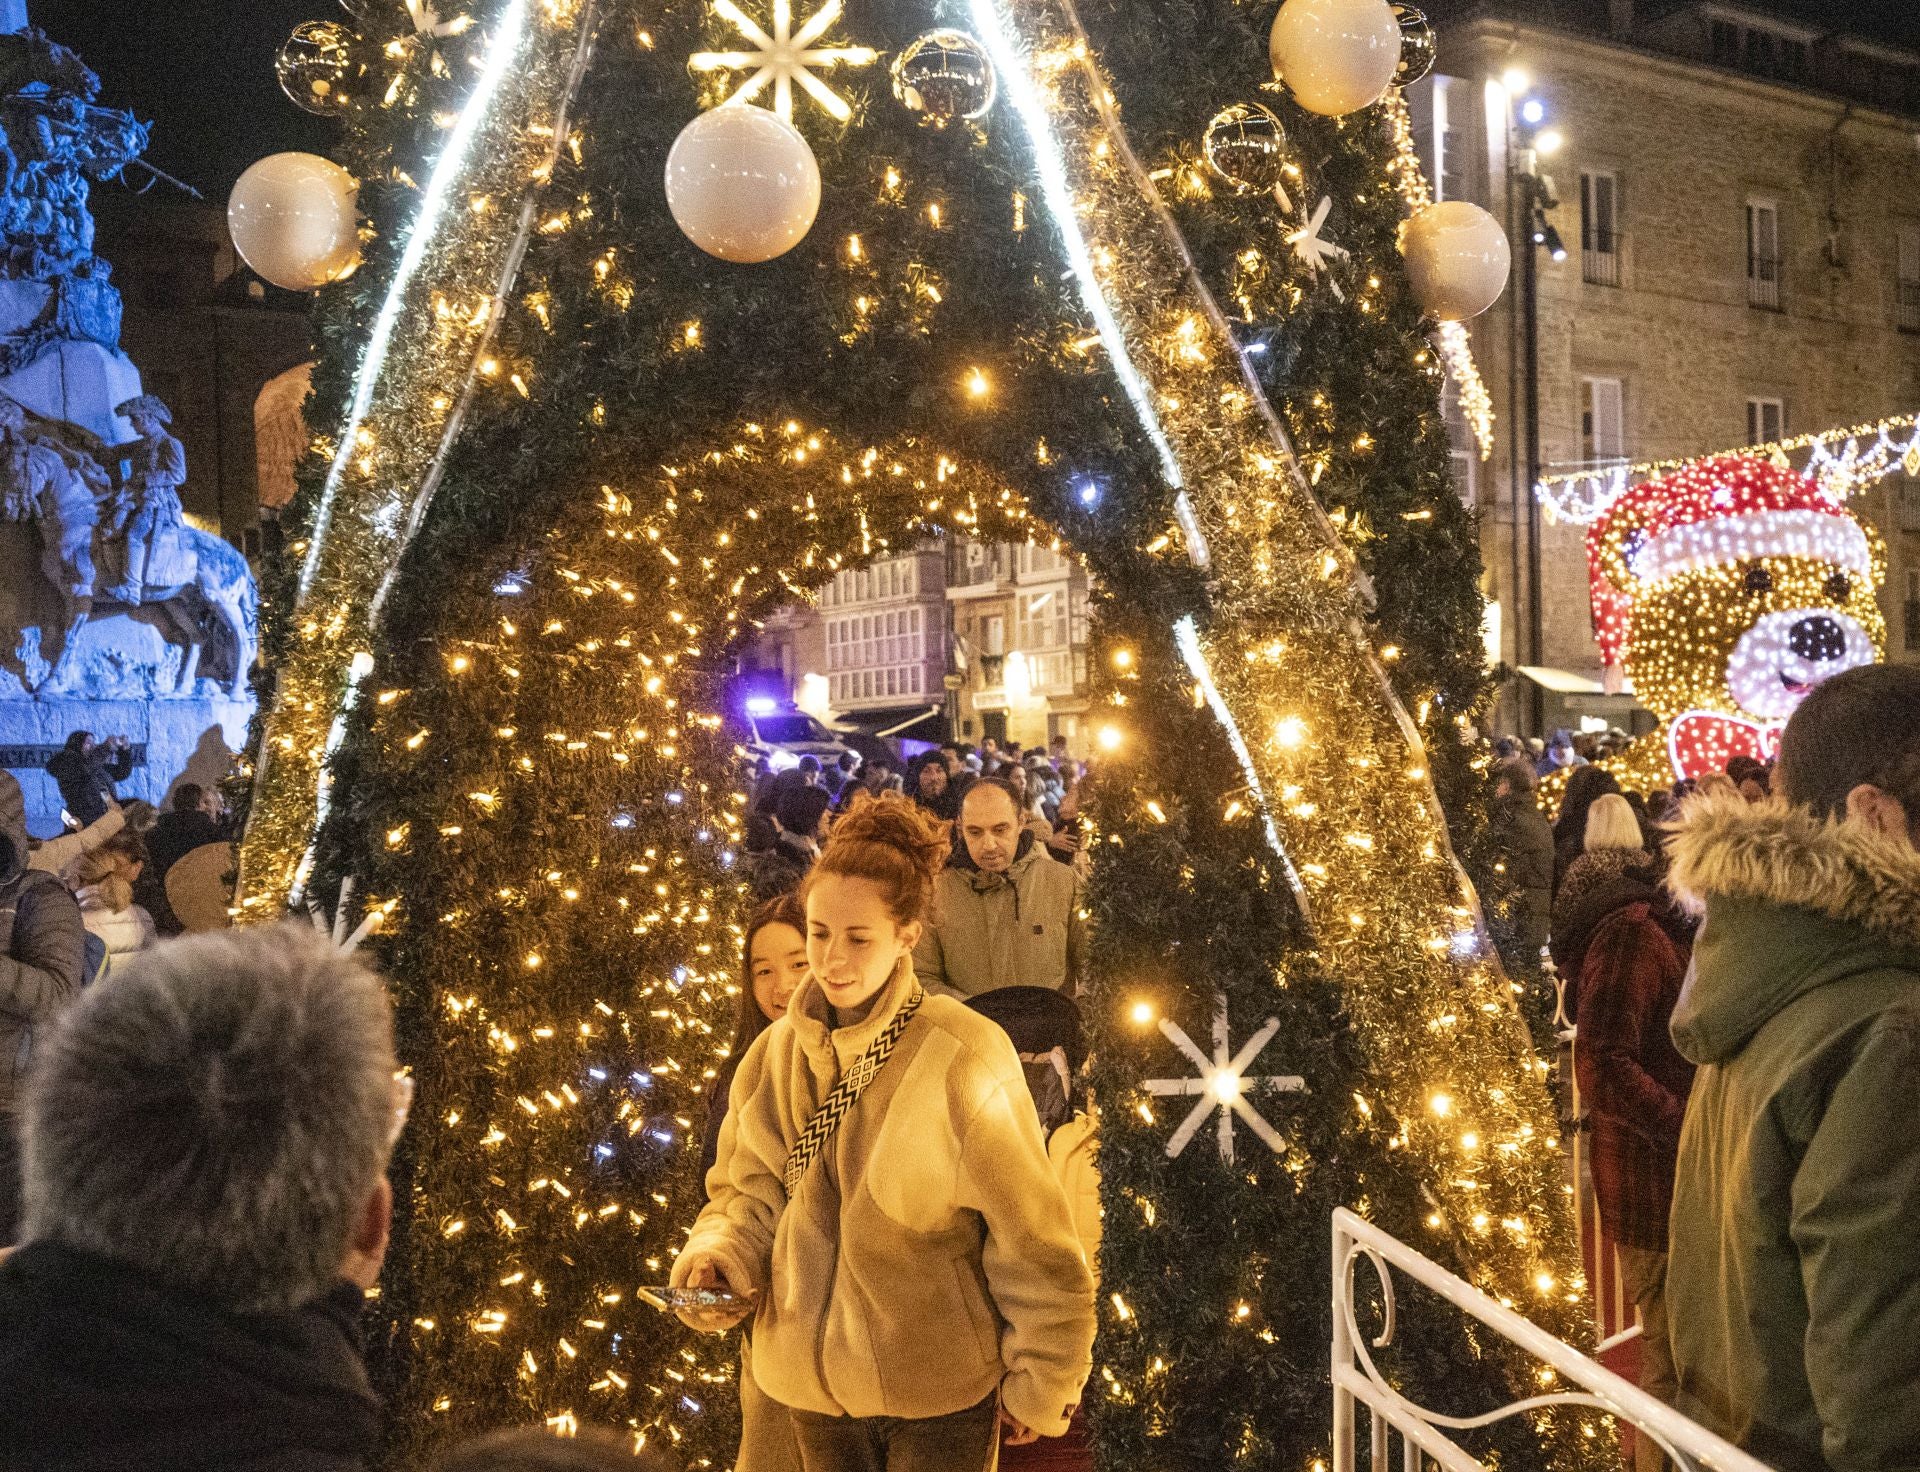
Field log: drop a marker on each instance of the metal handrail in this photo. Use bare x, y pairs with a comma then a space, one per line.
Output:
1423, 1432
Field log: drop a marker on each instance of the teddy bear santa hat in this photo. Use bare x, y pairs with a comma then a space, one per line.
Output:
1717, 513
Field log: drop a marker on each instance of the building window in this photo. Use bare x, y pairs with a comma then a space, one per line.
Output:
1726, 43
1763, 254
1599, 228
1906, 287
1766, 421
1603, 430
1913, 610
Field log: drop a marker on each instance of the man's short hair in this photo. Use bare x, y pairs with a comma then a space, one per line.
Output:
849, 760
993, 784
1517, 773
809, 763
1859, 728
216, 1116
187, 796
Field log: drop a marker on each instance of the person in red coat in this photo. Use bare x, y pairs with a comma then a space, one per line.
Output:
1629, 945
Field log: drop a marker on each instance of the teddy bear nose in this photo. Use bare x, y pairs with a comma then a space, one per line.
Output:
1817, 639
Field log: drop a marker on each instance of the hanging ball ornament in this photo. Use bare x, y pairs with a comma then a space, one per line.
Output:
1246, 146
945, 77
1457, 259
316, 67
1418, 49
1335, 56
742, 183
293, 220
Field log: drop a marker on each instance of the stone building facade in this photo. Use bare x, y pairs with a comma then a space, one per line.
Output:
211, 339
1742, 263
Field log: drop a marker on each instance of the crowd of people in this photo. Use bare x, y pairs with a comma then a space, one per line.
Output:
902, 1198
1740, 958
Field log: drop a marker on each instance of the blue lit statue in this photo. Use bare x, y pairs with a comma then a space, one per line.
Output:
116, 615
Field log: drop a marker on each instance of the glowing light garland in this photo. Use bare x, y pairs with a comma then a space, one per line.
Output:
420, 234
1456, 350
1285, 642
409, 395
1840, 461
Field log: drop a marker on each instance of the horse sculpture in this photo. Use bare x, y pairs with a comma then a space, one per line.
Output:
198, 584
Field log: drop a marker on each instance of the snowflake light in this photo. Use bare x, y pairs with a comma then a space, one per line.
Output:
784, 57
1222, 1084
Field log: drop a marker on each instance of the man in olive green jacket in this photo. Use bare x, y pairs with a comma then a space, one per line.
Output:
1794, 1275
1006, 912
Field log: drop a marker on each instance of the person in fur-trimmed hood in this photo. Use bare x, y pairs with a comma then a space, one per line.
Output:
1794, 1274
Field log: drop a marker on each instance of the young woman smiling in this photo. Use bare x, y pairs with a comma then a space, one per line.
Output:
883, 1198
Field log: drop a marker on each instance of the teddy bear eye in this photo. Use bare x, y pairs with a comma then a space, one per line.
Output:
1759, 580
1839, 587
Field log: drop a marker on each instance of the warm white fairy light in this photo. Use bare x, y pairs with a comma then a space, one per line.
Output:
1840, 461
785, 56
446, 169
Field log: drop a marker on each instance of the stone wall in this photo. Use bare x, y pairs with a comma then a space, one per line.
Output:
1690, 145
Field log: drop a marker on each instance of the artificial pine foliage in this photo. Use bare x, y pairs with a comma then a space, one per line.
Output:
539, 780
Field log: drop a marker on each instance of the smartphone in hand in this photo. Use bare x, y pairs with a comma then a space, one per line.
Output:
673, 1300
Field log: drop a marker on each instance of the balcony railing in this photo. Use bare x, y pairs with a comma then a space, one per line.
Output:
1763, 282
1360, 1388
1906, 306
1600, 256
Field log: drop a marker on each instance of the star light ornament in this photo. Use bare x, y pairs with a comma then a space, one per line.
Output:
1222, 1084
785, 57
1315, 253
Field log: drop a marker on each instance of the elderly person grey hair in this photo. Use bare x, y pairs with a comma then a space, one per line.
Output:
206, 1139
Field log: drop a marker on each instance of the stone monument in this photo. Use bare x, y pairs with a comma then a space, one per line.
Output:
116, 616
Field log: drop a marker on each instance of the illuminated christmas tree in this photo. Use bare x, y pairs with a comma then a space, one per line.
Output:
568, 460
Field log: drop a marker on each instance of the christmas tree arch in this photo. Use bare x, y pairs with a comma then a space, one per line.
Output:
571, 483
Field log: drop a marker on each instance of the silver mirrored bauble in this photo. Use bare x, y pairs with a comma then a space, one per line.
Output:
1246, 146
1418, 49
316, 67
945, 77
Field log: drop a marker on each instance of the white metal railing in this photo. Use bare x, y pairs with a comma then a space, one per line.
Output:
1423, 1433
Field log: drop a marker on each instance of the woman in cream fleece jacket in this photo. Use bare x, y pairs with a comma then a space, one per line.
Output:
926, 1268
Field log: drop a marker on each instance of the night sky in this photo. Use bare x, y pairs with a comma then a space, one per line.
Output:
202, 70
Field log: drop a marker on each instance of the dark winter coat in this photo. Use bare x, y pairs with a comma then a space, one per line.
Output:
1595, 886
172, 838
42, 949
104, 1370
1525, 838
87, 779
1794, 1278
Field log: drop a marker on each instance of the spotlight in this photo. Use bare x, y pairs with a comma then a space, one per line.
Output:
1550, 238
1515, 81
1533, 112
1550, 142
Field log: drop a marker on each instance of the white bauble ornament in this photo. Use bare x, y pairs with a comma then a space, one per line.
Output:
1457, 259
1335, 56
742, 183
293, 220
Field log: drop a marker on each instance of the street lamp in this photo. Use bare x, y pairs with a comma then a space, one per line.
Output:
1530, 198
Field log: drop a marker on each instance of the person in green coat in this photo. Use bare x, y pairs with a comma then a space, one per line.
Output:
1794, 1271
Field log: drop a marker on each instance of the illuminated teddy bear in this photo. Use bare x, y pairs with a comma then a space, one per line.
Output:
1731, 587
